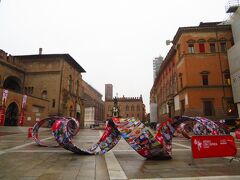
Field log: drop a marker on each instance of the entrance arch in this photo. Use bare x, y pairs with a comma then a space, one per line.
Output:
11, 115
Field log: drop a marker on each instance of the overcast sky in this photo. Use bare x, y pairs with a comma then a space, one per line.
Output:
115, 41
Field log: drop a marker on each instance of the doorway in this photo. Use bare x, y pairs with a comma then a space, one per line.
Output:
11, 116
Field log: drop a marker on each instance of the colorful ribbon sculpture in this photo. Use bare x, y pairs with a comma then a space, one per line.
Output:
73, 128
133, 131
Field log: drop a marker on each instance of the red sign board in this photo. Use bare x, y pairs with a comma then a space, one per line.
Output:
237, 134
213, 146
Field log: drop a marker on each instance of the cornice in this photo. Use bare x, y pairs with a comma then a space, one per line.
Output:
12, 66
182, 30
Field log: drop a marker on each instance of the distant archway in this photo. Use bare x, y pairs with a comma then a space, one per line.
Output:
11, 117
12, 83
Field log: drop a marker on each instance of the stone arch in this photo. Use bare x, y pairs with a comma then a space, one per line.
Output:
12, 115
212, 40
201, 40
191, 41
12, 83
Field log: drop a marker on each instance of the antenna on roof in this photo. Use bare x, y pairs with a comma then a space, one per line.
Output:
168, 42
40, 49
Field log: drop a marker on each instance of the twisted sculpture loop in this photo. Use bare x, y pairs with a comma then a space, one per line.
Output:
133, 131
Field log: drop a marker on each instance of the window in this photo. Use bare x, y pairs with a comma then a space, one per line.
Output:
191, 48
138, 108
132, 108
223, 46
77, 88
44, 94
201, 47
207, 108
28, 90
231, 108
37, 109
178, 51
205, 79
70, 83
53, 103
232, 42
181, 83
31, 90
212, 47
182, 106
212, 44
227, 80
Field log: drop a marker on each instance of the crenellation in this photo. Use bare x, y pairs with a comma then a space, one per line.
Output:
3, 54
11, 60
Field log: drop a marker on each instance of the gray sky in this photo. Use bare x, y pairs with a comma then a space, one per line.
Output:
115, 41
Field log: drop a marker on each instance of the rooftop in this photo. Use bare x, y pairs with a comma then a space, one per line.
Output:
67, 57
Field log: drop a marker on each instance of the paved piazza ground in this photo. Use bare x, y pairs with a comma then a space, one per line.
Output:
21, 158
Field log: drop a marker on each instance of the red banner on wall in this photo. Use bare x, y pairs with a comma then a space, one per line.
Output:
237, 134
22, 116
4, 97
2, 116
213, 146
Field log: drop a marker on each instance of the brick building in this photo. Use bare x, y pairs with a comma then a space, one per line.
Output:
194, 77
52, 83
108, 91
129, 107
94, 105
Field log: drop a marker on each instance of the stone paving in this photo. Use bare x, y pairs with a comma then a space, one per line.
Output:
21, 158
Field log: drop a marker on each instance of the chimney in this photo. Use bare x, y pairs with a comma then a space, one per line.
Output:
40, 51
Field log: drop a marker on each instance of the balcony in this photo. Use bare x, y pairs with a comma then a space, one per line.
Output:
232, 6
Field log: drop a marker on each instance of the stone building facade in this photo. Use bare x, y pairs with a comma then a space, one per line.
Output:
194, 77
234, 53
52, 83
128, 106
